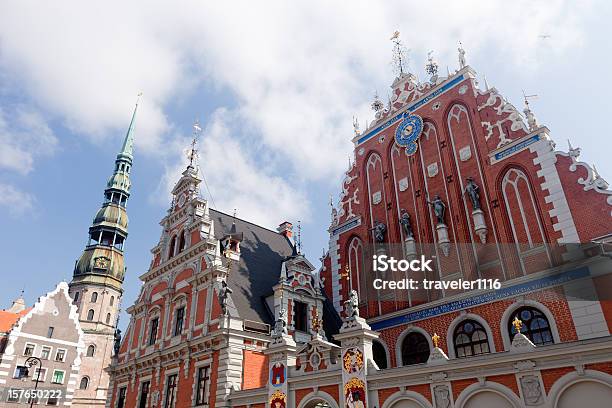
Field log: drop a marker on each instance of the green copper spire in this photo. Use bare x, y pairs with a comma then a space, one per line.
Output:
128, 143
102, 260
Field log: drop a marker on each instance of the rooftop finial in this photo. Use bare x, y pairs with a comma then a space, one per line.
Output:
531, 119
128, 142
298, 241
193, 153
399, 55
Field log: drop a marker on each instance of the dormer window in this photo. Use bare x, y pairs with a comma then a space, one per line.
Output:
300, 318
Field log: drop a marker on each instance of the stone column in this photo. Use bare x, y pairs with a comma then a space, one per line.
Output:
281, 356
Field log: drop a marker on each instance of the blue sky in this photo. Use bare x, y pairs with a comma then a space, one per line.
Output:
275, 88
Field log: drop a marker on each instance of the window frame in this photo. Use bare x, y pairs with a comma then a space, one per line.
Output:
121, 396
57, 351
178, 330
303, 316
57, 370
526, 329
26, 347
170, 386
202, 382
153, 331
460, 330
42, 348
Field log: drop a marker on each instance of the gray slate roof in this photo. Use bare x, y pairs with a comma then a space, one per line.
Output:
262, 254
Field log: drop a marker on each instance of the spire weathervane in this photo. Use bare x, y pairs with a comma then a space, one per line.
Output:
399, 54
298, 242
531, 119
193, 152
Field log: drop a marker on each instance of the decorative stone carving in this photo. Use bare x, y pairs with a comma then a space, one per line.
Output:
532, 390
432, 169
439, 208
442, 396
521, 344
472, 191
224, 293
461, 55
403, 184
436, 106
377, 197
462, 89
405, 223
502, 108
280, 326
480, 226
465, 153
380, 230
352, 304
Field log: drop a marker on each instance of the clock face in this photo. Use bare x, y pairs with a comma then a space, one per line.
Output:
408, 132
182, 199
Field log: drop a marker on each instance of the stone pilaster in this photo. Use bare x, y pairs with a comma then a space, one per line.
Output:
356, 339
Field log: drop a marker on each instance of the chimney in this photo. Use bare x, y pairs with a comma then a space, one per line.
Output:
286, 229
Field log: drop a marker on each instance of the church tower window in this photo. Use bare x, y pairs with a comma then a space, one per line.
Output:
300, 318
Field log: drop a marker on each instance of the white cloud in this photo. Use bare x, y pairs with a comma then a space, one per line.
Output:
298, 71
235, 180
24, 135
17, 202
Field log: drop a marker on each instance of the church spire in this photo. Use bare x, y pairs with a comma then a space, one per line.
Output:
128, 142
103, 255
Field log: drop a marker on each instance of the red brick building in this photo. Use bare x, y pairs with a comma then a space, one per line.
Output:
448, 170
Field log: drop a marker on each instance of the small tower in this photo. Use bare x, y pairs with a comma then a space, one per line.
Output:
96, 285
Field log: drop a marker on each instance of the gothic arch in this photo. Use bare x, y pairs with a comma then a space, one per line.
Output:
317, 396
467, 316
526, 302
573, 378
410, 396
400, 341
511, 182
357, 265
491, 387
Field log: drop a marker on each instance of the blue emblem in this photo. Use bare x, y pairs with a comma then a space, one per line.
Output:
408, 132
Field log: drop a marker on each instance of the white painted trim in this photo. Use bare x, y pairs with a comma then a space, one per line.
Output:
455, 323
532, 303
488, 386
406, 396
400, 340
318, 396
46, 339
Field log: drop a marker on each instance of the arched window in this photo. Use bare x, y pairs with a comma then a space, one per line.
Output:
90, 315
380, 355
94, 297
84, 383
112, 300
108, 318
415, 349
76, 296
470, 339
91, 350
172, 246
535, 325
182, 242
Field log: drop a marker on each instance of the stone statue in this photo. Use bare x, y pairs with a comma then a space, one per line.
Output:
224, 293
405, 223
380, 229
117, 342
280, 326
461, 51
471, 189
439, 208
352, 304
